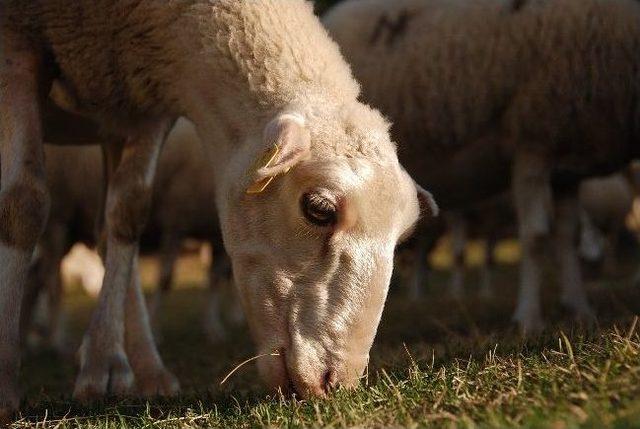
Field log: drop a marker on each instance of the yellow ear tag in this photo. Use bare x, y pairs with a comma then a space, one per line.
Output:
264, 161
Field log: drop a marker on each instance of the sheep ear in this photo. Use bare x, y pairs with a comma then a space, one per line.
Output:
428, 204
288, 142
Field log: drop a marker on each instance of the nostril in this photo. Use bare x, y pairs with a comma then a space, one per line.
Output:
328, 380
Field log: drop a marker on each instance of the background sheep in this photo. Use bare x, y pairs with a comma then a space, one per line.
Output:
485, 220
605, 204
481, 92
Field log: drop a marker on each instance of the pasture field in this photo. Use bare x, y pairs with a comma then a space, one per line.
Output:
436, 363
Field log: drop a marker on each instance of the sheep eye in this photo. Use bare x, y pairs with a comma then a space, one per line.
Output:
319, 209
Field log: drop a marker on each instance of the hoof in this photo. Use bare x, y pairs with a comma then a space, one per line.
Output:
9, 402
109, 374
583, 315
160, 382
580, 309
529, 324
214, 330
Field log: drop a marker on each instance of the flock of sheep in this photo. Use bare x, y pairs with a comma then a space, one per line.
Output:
497, 107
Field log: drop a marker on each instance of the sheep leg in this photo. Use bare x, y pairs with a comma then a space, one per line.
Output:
24, 198
169, 252
224, 273
420, 270
611, 248
567, 230
458, 242
591, 239
218, 269
57, 247
44, 279
33, 288
152, 378
486, 276
104, 367
532, 195
426, 240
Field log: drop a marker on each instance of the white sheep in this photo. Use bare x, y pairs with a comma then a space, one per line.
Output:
493, 93
272, 98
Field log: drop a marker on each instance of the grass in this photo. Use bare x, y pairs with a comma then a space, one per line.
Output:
436, 363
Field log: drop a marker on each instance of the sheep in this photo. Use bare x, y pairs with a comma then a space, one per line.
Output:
182, 207
299, 165
604, 205
504, 94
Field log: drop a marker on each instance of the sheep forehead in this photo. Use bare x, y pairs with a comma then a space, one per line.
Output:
353, 130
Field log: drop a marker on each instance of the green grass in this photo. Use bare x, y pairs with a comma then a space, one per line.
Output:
436, 363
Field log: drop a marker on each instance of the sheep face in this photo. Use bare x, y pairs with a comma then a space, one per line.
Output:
313, 253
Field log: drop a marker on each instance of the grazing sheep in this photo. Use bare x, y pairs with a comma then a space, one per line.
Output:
496, 93
256, 78
182, 207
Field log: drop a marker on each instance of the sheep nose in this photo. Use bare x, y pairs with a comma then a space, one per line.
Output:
318, 387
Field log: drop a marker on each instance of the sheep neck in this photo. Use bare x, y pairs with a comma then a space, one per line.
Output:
243, 63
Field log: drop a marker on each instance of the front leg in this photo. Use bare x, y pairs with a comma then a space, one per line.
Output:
458, 227
532, 196
104, 367
425, 241
24, 198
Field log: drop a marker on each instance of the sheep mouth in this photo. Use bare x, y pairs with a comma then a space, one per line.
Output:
289, 386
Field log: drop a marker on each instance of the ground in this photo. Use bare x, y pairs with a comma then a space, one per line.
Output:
436, 363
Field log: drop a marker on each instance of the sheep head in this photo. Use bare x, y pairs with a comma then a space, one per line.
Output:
311, 235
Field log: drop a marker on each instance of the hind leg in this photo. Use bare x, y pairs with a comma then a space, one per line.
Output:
56, 317
24, 199
169, 252
488, 268
45, 281
152, 378
218, 275
567, 232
